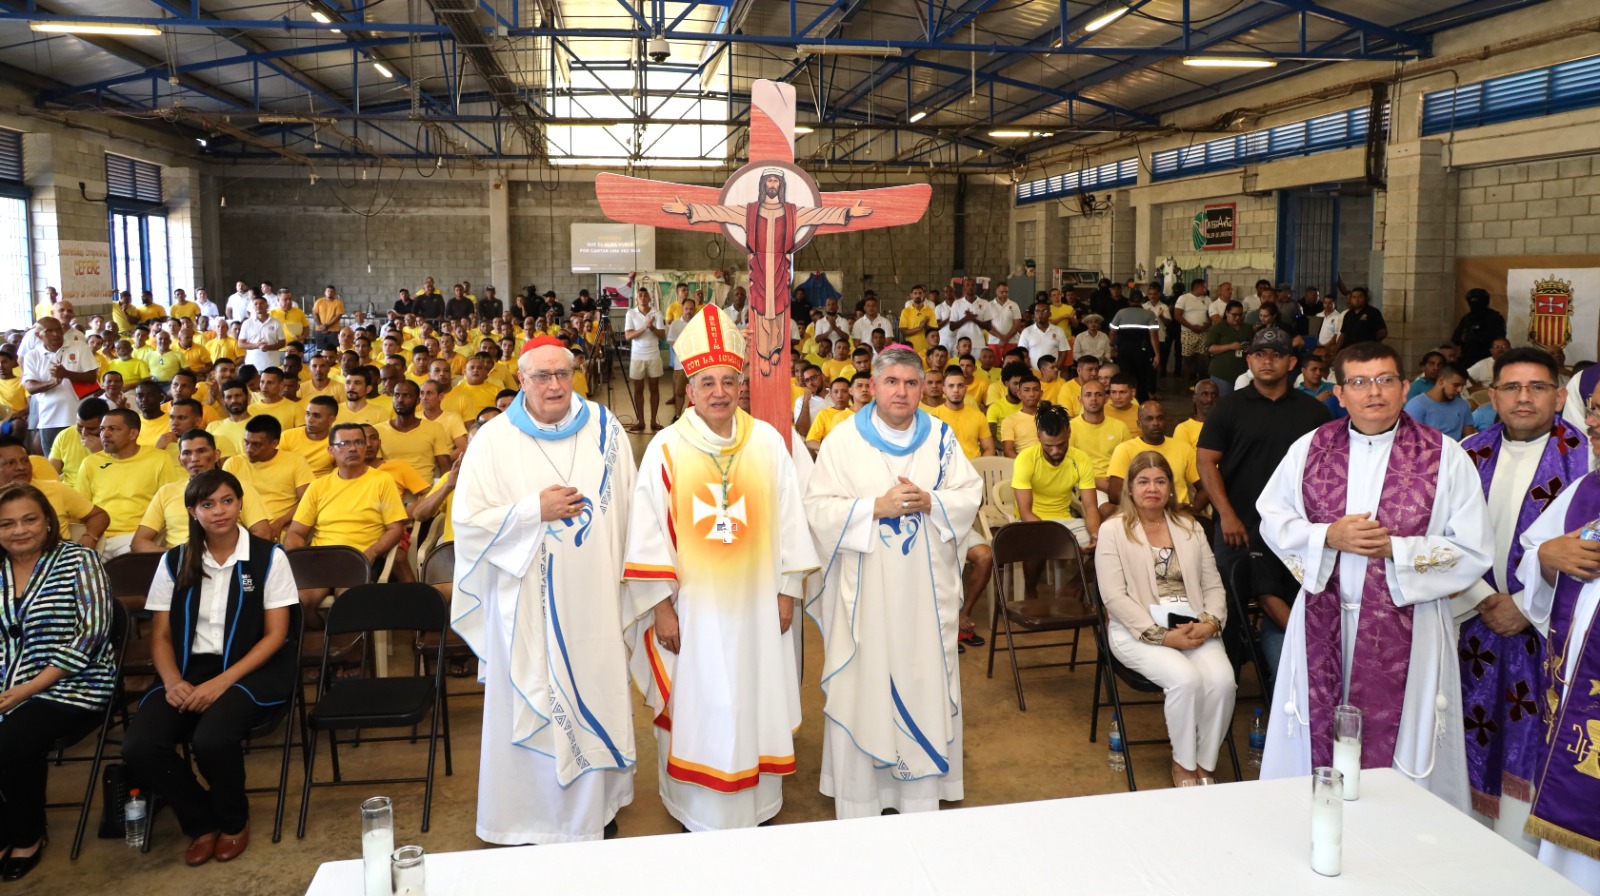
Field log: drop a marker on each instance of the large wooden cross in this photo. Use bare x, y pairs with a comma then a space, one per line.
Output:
771, 209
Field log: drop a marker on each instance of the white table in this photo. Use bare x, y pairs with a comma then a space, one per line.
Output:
1229, 840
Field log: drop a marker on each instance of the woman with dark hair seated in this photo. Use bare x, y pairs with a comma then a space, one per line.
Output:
219, 639
1164, 597
57, 671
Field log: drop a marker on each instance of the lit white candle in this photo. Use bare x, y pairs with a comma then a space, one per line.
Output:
1347, 759
376, 847
1327, 822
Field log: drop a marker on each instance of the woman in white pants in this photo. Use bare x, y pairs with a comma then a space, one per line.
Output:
1166, 605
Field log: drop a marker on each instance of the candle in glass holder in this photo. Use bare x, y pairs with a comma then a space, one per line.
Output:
1327, 821
1347, 748
409, 873
377, 845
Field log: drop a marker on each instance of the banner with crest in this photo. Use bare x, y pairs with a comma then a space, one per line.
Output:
1555, 309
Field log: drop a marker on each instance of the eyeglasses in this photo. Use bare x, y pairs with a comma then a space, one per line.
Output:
1365, 383
542, 377
359, 443
1537, 390
1591, 412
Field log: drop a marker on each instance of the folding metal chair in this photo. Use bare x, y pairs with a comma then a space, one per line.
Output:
397, 702
1060, 607
121, 624
1111, 670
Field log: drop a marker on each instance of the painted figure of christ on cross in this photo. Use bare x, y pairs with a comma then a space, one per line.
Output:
771, 208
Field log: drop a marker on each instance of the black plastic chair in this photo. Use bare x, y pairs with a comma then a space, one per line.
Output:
129, 577
1050, 608
1111, 670
335, 567
439, 569
356, 703
121, 623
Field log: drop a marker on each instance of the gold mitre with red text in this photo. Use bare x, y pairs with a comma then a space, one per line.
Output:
710, 340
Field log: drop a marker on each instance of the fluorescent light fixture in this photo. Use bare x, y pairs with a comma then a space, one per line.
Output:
1105, 19
852, 50
1020, 134
322, 17
801, 129
96, 28
1229, 62
383, 69
592, 162
918, 116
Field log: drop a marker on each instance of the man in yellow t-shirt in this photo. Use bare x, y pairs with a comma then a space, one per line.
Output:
1095, 434
321, 381
355, 506
273, 404
405, 478
122, 478
182, 308
1020, 431
1003, 400
148, 309
474, 393
166, 522
131, 369
196, 356
294, 321
411, 440
431, 408
1050, 382
1050, 474
153, 422
327, 312
279, 477
917, 320
311, 441
230, 430
13, 398
1205, 398
1121, 405
71, 507
69, 450
966, 422
356, 408
1180, 456
1085, 369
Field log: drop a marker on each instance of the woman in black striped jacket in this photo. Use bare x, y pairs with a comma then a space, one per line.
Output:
56, 666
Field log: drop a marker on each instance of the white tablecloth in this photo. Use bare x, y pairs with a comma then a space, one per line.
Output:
1229, 840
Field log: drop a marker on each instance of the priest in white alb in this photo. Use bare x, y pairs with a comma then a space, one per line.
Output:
1525, 461
889, 500
540, 515
1560, 573
717, 551
1381, 519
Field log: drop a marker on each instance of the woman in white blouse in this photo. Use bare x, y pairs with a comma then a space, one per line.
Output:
220, 642
1166, 605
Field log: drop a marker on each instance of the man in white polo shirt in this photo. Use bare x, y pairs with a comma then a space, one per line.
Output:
49, 372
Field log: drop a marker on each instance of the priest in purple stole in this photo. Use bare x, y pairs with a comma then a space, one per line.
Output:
1381, 519
1524, 463
1559, 570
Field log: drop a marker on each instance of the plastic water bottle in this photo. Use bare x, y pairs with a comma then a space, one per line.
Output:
1591, 531
1117, 758
1258, 739
135, 819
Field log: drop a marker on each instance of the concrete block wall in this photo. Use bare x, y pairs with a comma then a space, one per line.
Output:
1256, 218
1537, 208
369, 238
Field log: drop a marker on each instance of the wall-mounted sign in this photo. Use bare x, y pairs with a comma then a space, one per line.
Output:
1214, 228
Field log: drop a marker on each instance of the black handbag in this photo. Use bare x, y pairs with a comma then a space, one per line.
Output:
115, 792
